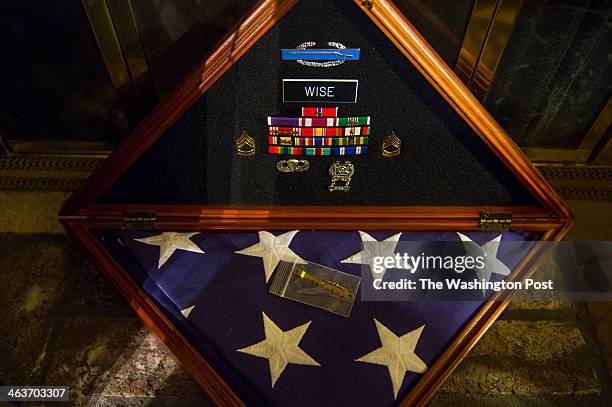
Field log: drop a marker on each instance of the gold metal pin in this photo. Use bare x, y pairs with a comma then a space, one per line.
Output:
391, 146
330, 286
245, 145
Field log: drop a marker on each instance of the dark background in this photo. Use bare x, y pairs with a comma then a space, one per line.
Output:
443, 162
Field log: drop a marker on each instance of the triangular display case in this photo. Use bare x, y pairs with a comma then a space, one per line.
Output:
458, 171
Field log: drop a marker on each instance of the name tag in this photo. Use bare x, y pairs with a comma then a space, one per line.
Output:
320, 90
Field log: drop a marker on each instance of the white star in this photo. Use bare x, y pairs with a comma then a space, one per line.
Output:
169, 242
397, 354
489, 253
273, 249
382, 248
280, 348
187, 311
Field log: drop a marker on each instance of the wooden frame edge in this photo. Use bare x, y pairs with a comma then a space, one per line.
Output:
488, 313
229, 49
409, 41
264, 15
154, 319
185, 217
216, 387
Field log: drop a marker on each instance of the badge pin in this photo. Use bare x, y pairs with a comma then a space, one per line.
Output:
292, 165
305, 54
341, 173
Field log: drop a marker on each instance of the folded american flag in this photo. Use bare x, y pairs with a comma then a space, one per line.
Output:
290, 353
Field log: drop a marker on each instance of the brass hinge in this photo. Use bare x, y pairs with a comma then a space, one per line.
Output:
499, 221
139, 220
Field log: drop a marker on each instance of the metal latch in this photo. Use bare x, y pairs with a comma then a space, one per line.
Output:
139, 220
498, 221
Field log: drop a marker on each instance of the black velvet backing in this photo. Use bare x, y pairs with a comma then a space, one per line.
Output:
443, 162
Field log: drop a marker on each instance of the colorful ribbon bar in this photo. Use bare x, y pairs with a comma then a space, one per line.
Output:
317, 150
319, 121
320, 111
314, 54
318, 131
317, 141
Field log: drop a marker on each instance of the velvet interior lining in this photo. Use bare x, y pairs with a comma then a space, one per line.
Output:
443, 162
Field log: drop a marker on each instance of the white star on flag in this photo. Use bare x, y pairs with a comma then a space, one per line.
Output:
272, 250
382, 248
280, 348
489, 252
187, 311
169, 242
397, 354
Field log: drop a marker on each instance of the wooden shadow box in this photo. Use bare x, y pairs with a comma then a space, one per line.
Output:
189, 231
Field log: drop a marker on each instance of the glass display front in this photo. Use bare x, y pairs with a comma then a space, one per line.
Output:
217, 289
319, 117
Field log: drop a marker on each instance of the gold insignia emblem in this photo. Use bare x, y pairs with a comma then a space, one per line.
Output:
245, 145
391, 146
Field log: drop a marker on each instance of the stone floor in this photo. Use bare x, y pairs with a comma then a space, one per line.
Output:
63, 324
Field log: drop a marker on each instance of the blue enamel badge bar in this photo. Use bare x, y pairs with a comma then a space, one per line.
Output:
312, 54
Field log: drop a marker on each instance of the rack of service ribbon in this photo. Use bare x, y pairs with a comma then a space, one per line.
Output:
319, 131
